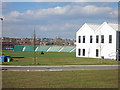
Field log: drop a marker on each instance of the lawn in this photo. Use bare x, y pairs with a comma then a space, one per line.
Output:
61, 79
53, 58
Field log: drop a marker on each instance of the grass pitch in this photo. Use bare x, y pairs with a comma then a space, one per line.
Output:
53, 58
61, 79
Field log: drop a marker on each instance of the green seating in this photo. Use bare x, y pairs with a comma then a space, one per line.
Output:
18, 48
55, 48
67, 48
29, 48
46, 48
43, 48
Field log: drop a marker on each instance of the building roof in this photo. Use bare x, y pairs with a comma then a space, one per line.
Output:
93, 26
114, 26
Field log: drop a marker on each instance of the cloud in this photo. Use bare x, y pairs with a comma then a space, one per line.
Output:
63, 12
57, 20
114, 14
56, 27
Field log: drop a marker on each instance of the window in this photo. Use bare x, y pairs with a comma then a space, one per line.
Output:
90, 39
110, 38
97, 53
79, 52
97, 38
102, 38
79, 40
83, 52
83, 39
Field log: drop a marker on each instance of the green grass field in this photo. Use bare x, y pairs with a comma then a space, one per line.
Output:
53, 58
61, 79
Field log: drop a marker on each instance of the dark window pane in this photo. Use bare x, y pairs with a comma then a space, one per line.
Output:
97, 38
79, 39
110, 38
83, 52
83, 39
79, 52
90, 39
102, 38
97, 53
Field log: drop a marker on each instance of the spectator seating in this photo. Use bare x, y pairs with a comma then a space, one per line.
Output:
67, 48
43, 48
55, 48
29, 48
18, 48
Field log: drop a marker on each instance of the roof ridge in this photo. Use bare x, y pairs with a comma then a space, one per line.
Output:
112, 23
93, 24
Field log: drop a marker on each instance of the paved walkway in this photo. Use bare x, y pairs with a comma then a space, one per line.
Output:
59, 68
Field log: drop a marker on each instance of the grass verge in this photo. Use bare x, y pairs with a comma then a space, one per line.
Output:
53, 58
60, 79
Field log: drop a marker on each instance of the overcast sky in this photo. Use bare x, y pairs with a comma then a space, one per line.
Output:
54, 19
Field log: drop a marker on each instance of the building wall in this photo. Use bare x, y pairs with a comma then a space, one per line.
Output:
106, 49
85, 31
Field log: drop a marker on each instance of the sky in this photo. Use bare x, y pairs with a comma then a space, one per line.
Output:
54, 19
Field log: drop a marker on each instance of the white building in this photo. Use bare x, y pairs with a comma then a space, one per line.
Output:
96, 41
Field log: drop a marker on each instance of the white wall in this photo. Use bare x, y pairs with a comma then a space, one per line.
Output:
108, 50
85, 31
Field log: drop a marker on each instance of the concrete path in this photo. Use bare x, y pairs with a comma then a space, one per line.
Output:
59, 68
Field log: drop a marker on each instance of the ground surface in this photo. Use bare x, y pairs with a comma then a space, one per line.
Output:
52, 58
59, 68
61, 79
